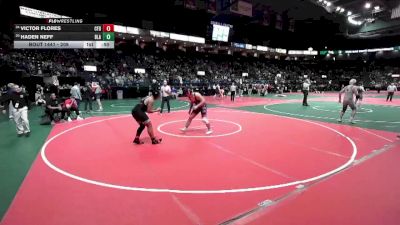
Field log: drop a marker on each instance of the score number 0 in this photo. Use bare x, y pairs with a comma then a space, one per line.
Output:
108, 27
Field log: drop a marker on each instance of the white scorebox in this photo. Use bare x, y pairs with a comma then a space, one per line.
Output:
63, 44
220, 33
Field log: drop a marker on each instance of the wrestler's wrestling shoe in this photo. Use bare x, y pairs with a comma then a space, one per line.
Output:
155, 141
138, 141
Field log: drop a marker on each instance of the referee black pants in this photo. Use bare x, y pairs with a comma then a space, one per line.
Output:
233, 93
305, 95
165, 99
389, 96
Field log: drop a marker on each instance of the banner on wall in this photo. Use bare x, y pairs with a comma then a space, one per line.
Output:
212, 6
190, 4
292, 24
278, 22
30, 12
242, 8
266, 20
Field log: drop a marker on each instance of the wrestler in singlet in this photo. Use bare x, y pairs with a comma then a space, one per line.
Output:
360, 93
194, 101
348, 99
197, 105
139, 111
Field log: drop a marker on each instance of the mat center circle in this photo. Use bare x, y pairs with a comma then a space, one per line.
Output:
339, 108
226, 165
197, 128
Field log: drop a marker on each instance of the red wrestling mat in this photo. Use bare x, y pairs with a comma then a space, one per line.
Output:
90, 173
382, 101
366, 100
367, 194
241, 101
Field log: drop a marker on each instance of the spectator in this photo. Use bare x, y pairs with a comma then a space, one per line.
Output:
76, 93
88, 97
218, 68
40, 100
109, 92
10, 92
97, 92
53, 106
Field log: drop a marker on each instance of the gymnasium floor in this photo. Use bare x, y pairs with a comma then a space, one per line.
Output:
269, 161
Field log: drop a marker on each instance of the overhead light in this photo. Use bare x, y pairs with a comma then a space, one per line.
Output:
351, 20
319, 0
370, 20
325, 1
338, 8
329, 4
349, 13
377, 7
367, 5
341, 10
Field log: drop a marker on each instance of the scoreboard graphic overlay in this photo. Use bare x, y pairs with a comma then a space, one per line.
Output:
64, 36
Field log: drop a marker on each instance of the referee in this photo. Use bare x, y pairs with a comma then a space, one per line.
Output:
165, 94
390, 91
233, 92
306, 89
19, 109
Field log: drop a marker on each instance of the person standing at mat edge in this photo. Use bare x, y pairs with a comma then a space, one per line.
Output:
19, 109
233, 92
76, 93
306, 89
10, 92
359, 96
97, 92
197, 104
391, 89
139, 114
349, 92
165, 95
